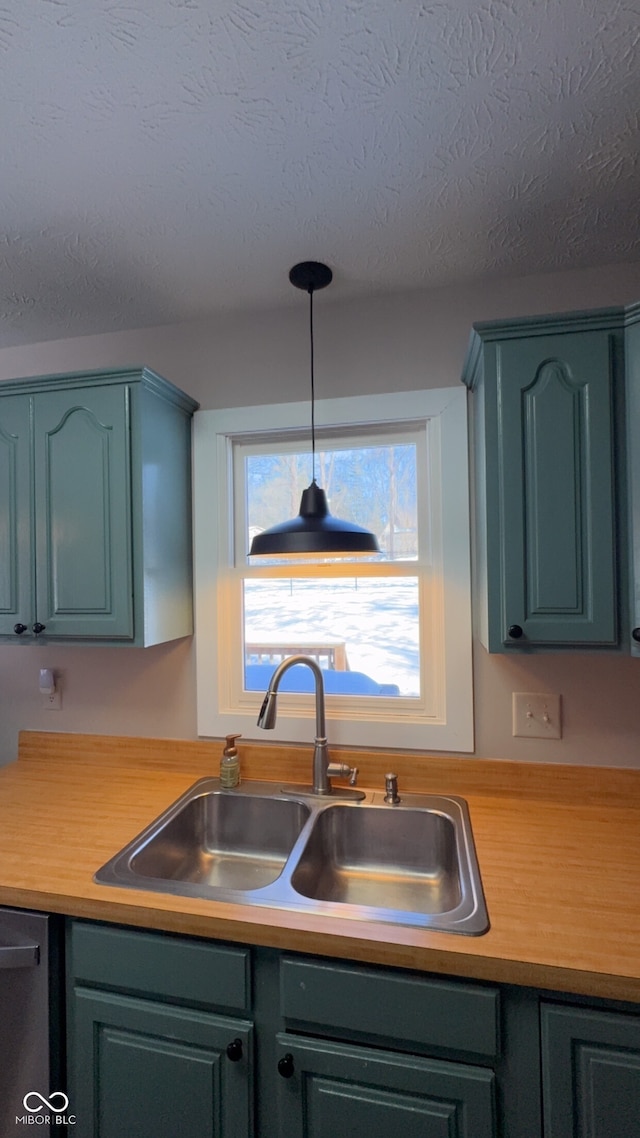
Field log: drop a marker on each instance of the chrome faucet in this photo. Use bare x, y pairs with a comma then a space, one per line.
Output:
323, 769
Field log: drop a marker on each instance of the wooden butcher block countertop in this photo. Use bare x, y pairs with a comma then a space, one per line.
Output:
558, 849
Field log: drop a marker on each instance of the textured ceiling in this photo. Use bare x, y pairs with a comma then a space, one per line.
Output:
163, 158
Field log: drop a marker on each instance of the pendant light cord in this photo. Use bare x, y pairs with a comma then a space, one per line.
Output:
313, 397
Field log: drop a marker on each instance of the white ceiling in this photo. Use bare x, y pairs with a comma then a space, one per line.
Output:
164, 158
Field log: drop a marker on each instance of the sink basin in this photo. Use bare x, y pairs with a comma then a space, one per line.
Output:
410, 864
388, 859
212, 839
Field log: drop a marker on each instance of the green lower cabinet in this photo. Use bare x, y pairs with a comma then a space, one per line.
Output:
336, 1090
178, 1037
149, 1070
590, 1073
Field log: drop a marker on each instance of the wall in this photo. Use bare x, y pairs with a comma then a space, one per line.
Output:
383, 344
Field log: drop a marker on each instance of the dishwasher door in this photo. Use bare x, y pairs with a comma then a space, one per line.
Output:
24, 1019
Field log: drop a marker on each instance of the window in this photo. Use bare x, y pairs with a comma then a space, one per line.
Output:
392, 634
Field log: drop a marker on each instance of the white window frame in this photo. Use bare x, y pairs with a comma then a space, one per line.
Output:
375, 722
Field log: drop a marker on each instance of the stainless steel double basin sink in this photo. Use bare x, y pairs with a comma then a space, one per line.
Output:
411, 864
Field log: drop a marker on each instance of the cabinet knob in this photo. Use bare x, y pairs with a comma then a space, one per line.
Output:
19, 629
38, 628
635, 632
285, 1066
234, 1050
514, 631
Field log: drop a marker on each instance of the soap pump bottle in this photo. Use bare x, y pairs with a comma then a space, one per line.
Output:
230, 764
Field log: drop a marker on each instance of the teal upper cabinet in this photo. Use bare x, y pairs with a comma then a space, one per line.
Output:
546, 394
82, 517
16, 576
95, 509
633, 443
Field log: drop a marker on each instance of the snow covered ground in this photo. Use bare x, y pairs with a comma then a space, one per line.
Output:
377, 618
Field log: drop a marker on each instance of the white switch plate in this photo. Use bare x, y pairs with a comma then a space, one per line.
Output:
536, 715
51, 702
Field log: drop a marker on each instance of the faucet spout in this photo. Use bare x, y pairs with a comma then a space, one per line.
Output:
268, 711
267, 721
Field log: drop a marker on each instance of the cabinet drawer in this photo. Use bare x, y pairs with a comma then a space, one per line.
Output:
156, 964
406, 1008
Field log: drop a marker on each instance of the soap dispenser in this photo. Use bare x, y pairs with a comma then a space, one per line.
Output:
230, 764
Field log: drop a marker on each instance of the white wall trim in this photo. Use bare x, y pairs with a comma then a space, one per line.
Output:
452, 728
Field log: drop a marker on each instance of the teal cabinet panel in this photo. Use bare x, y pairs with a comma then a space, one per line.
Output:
411, 1009
632, 361
590, 1072
546, 394
95, 523
83, 531
148, 1070
338, 1089
183, 969
556, 488
161, 451
16, 581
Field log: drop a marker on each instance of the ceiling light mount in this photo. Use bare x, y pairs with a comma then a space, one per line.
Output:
310, 275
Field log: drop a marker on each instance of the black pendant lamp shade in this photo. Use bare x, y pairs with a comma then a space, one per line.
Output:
314, 531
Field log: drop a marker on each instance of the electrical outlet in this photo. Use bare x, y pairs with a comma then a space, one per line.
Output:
52, 701
536, 715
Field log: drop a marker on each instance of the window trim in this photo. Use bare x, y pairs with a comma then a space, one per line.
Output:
452, 728
348, 437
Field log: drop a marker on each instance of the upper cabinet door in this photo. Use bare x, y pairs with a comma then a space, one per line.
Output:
83, 521
17, 605
557, 488
632, 360
547, 400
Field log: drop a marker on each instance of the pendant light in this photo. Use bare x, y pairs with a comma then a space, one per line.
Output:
314, 531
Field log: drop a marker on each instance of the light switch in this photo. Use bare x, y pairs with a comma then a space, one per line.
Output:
536, 715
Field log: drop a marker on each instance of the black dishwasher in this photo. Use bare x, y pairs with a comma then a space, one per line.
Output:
29, 1006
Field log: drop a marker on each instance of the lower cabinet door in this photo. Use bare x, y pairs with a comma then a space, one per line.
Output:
590, 1073
331, 1090
146, 1070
